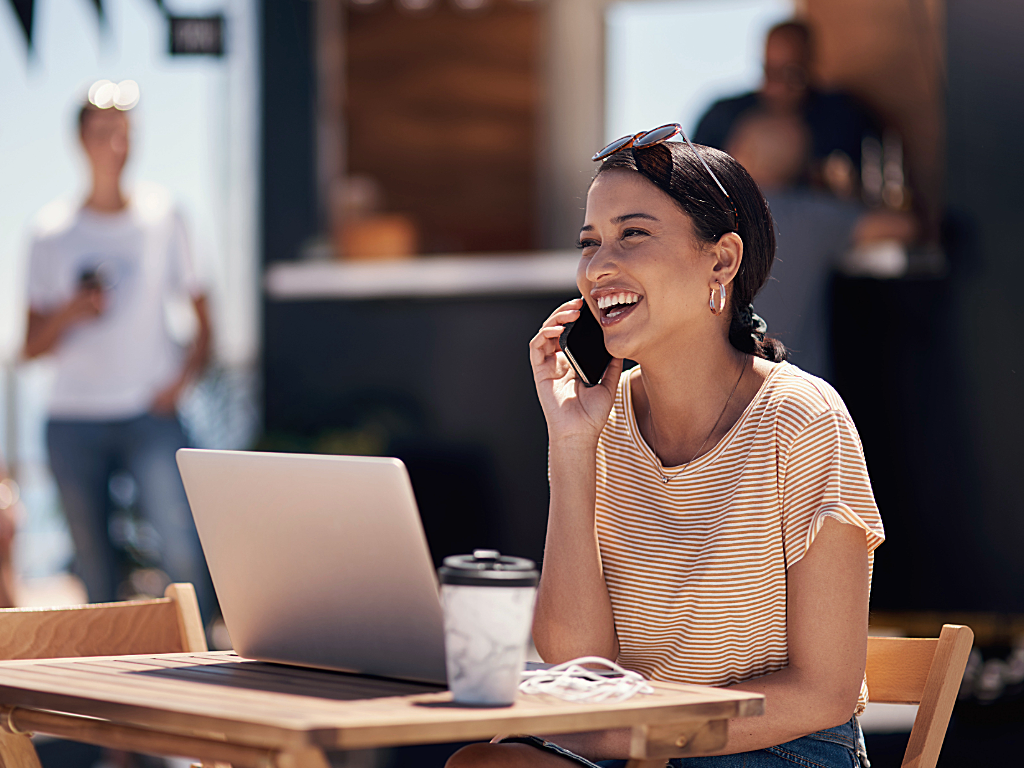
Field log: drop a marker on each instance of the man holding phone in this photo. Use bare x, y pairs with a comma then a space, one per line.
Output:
100, 276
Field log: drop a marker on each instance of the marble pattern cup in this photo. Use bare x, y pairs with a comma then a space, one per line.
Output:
488, 609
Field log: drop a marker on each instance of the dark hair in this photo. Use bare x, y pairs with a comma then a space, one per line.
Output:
677, 172
798, 29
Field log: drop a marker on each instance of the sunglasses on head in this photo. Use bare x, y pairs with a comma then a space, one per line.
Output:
660, 135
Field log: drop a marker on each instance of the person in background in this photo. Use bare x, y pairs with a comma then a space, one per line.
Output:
9, 507
814, 231
100, 274
836, 122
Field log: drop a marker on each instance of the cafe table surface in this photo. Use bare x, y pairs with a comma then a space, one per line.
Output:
218, 707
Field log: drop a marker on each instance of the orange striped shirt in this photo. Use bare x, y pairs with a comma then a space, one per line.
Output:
696, 566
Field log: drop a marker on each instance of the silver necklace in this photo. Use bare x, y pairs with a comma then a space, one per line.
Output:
654, 430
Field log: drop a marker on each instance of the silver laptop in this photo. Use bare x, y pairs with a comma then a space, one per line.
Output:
319, 561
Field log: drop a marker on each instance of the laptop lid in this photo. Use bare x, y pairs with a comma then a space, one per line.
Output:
318, 560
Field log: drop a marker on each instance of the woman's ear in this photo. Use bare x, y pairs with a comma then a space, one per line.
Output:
728, 252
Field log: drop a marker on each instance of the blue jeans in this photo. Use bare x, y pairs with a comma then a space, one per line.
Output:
83, 455
839, 747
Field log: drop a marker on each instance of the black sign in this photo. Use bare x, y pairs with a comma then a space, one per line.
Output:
192, 35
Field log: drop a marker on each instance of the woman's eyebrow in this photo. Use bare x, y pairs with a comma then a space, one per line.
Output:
628, 216
624, 217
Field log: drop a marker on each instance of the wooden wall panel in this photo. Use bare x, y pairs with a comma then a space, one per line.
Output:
891, 55
442, 110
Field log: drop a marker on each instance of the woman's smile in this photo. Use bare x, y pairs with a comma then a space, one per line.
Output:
615, 307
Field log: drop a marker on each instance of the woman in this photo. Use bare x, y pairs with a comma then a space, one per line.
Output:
711, 516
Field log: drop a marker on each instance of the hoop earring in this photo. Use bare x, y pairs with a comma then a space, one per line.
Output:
720, 307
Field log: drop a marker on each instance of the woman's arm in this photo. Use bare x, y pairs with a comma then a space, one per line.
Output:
828, 638
573, 617
828, 642
574, 613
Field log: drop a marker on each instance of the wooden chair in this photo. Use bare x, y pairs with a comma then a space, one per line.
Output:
170, 624
924, 671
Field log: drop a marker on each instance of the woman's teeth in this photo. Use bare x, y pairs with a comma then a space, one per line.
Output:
616, 303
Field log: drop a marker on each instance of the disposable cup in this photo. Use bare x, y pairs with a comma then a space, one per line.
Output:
488, 609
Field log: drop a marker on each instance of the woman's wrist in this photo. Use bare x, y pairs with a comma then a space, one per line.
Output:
574, 441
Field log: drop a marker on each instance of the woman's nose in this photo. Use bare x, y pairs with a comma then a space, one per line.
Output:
601, 265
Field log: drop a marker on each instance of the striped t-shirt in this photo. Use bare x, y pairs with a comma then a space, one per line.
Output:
696, 566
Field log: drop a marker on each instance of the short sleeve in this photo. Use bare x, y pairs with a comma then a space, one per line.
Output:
184, 277
824, 475
44, 290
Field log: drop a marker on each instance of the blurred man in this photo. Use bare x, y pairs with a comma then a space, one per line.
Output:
837, 123
814, 232
99, 277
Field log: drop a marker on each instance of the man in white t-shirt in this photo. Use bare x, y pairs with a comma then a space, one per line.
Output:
100, 277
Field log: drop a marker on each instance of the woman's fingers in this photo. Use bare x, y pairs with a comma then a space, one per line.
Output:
545, 335
565, 313
544, 344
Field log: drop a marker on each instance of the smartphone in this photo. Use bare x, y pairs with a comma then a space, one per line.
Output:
582, 341
89, 279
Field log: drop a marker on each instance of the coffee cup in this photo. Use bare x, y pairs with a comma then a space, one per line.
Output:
488, 610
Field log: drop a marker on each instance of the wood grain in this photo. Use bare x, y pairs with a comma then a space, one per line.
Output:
925, 671
897, 668
279, 707
190, 622
680, 739
442, 109
133, 739
164, 625
16, 751
944, 678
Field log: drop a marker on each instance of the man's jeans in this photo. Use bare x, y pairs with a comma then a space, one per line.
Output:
83, 454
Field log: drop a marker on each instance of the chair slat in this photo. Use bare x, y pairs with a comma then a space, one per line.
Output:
951, 654
170, 624
897, 668
100, 629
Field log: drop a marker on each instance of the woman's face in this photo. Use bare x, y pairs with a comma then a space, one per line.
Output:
643, 271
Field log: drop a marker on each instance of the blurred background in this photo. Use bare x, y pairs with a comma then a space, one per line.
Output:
382, 198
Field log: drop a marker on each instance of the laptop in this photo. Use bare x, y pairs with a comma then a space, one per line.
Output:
319, 561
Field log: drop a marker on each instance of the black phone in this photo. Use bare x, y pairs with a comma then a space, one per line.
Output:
582, 341
89, 279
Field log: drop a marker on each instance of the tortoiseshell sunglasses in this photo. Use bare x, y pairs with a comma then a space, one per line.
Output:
660, 135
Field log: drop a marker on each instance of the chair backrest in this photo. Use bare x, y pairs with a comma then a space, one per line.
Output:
168, 624
924, 671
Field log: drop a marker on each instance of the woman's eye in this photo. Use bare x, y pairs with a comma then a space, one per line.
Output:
581, 243
634, 233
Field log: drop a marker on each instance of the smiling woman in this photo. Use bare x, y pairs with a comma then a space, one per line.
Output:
691, 189
711, 516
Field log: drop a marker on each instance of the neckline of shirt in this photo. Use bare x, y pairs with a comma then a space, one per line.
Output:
638, 439
107, 218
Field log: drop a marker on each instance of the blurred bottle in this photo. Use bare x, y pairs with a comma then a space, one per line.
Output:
894, 190
871, 180
883, 181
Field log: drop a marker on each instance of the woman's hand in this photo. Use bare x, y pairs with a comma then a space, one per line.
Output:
572, 410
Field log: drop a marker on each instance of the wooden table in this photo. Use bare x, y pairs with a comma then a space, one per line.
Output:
220, 708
